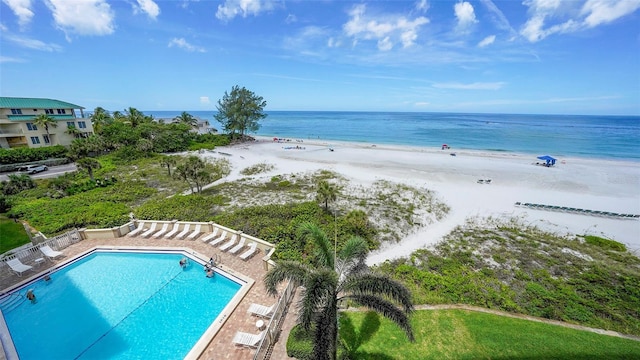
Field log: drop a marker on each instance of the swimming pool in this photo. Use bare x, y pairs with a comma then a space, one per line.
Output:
119, 305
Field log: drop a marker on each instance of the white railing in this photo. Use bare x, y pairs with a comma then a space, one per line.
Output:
275, 324
29, 254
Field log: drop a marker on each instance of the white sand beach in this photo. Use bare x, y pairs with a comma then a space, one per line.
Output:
612, 186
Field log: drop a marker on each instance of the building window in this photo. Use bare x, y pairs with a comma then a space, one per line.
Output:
48, 111
16, 111
35, 140
82, 124
61, 111
71, 124
46, 139
32, 126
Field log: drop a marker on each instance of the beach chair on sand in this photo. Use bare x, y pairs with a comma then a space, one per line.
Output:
50, 253
184, 232
162, 231
248, 340
151, 230
226, 246
252, 250
176, 228
237, 248
18, 267
261, 310
219, 239
137, 230
196, 232
211, 236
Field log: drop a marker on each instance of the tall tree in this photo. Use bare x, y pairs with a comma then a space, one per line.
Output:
45, 121
186, 118
330, 279
99, 119
240, 111
88, 164
326, 193
74, 131
168, 162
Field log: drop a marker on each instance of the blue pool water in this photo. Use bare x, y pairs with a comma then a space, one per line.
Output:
114, 305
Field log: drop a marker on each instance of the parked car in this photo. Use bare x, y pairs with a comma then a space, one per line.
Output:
34, 169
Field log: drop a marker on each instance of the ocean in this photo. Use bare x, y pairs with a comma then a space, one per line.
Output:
601, 137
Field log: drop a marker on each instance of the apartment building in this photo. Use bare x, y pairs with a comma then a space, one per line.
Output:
18, 127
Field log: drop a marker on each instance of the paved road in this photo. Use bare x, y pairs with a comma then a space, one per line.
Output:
53, 171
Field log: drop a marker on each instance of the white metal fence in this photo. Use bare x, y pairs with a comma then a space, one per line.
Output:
275, 324
29, 254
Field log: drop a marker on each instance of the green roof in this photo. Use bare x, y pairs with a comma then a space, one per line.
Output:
35, 103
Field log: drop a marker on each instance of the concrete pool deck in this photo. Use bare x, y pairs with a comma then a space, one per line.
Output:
221, 346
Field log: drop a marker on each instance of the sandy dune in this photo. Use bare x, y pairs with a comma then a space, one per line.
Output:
612, 186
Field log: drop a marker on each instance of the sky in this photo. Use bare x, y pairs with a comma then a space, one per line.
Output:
484, 56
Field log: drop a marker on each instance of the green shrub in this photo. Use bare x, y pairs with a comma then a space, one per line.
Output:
300, 344
179, 207
25, 154
604, 243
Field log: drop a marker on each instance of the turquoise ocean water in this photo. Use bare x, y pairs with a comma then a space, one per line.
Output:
602, 137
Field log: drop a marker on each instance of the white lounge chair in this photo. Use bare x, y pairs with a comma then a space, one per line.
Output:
151, 230
211, 236
176, 228
226, 246
162, 231
196, 232
252, 250
261, 310
137, 230
184, 232
237, 248
248, 340
50, 253
219, 239
18, 267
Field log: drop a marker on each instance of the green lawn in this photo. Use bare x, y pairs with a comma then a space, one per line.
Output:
12, 233
460, 334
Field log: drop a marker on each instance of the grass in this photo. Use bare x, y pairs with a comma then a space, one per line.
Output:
13, 234
460, 334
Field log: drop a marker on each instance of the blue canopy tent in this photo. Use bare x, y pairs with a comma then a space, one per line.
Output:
550, 161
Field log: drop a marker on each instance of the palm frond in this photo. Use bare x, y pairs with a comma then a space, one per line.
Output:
324, 254
387, 309
379, 285
286, 270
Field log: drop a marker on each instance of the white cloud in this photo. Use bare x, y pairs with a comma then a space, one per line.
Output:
422, 103
183, 44
465, 14
487, 41
86, 17
22, 9
31, 43
387, 30
591, 14
148, 7
499, 18
422, 5
204, 100
6, 59
603, 12
233, 8
471, 86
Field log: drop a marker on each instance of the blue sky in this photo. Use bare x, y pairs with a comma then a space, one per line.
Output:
531, 56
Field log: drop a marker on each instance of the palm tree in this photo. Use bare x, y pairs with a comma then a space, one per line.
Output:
99, 119
72, 130
45, 121
186, 118
88, 164
326, 193
336, 276
168, 161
